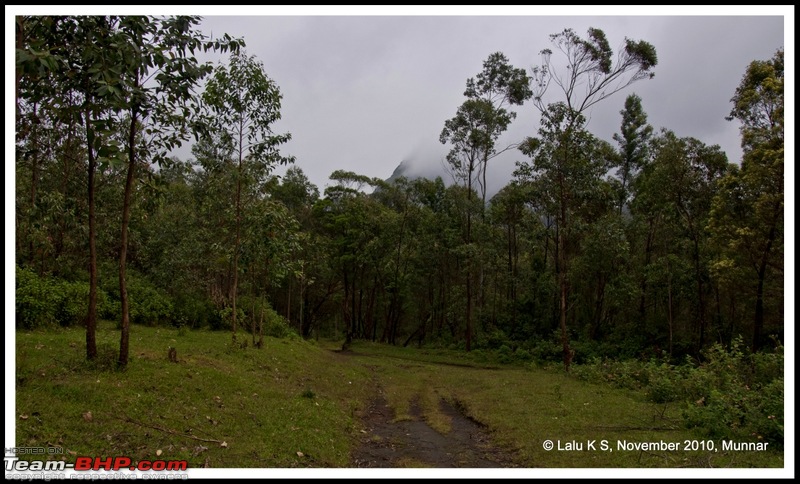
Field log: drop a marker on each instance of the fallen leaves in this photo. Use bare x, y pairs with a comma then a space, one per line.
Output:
88, 416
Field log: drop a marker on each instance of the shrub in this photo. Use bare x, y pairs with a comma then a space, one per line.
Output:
495, 339
276, 325
255, 309
737, 395
44, 301
547, 350
733, 394
148, 304
194, 311
73, 304
505, 354
35, 301
226, 318
523, 355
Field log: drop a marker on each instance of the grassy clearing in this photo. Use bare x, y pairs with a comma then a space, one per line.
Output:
524, 407
265, 405
294, 397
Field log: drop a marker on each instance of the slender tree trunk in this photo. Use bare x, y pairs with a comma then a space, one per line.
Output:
353, 315
469, 265
731, 320
701, 300
562, 267
289, 300
600, 296
360, 320
303, 305
20, 30
237, 243
345, 315
623, 195
484, 166
648, 249
562, 307
123, 250
514, 272
758, 324
669, 310
91, 317
34, 178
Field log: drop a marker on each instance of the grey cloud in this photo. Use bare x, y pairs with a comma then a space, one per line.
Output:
363, 93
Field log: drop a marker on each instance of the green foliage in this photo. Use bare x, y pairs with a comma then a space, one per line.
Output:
732, 394
148, 304
276, 325
674, 250
194, 311
547, 349
257, 310
735, 401
46, 301
226, 317
591, 75
35, 302
74, 302
747, 212
505, 354
494, 339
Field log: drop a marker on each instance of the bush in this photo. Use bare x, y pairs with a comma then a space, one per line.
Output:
737, 395
35, 302
73, 305
733, 394
662, 382
495, 339
523, 355
276, 325
547, 350
195, 312
226, 318
252, 310
505, 354
45, 301
148, 304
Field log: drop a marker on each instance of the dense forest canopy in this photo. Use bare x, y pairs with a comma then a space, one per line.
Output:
655, 244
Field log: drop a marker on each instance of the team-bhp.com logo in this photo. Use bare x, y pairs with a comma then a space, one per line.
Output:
56, 469
96, 464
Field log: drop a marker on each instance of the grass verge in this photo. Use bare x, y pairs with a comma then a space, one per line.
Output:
266, 405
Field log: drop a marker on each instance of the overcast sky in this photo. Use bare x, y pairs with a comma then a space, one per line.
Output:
362, 93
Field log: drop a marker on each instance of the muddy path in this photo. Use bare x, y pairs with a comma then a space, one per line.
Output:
413, 443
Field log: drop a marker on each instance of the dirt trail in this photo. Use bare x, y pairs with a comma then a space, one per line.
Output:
413, 443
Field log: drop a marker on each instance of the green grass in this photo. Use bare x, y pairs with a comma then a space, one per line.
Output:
524, 407
266, 405
294, 396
